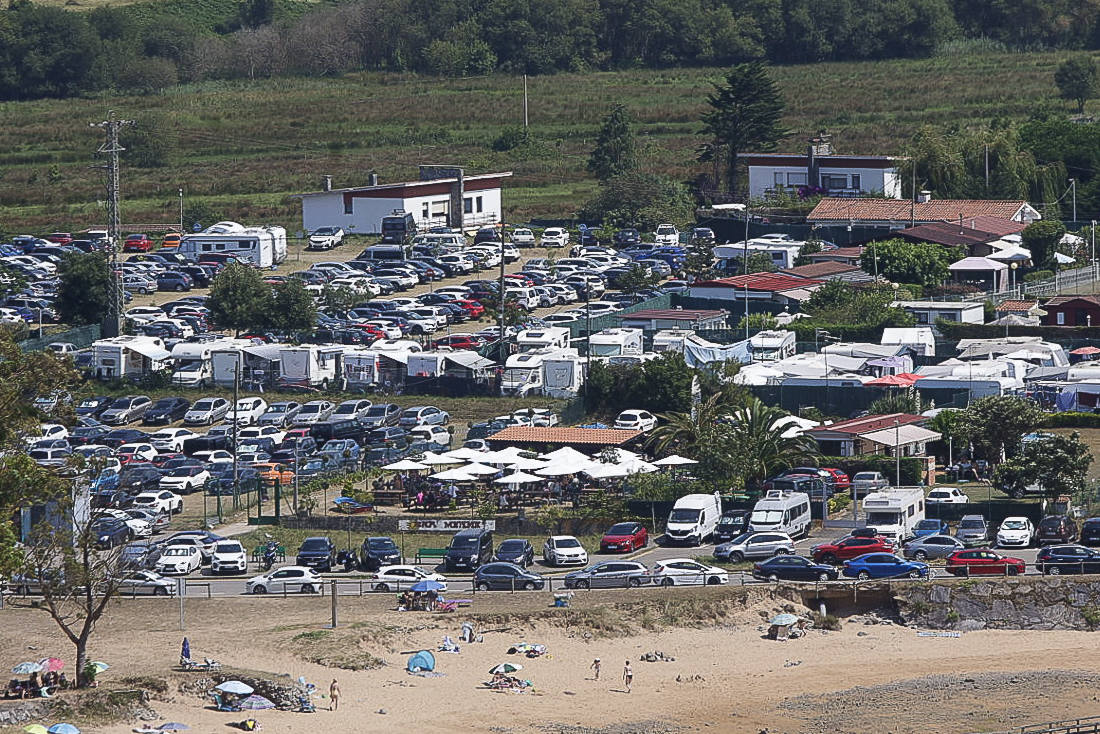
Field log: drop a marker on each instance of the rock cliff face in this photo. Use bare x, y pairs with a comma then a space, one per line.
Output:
1040, 603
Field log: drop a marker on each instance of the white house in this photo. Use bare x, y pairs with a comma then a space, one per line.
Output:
820, 168
444, 196
927, 312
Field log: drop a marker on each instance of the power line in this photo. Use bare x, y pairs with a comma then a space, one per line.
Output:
111, 148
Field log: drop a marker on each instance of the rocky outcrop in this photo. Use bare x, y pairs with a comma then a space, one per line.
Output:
1034, 603
13, 713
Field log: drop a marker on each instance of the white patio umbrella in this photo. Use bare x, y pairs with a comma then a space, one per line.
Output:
674, 460
637, 466
433, 459
479, 469
606, 471
509, 453
518, 478
405, 465
465, 454
454, 475
562, 468
522, 464
564, 454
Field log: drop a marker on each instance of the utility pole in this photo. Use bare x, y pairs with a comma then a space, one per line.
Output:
1073, 183
181, 210
112, 149
524, 101
236, 397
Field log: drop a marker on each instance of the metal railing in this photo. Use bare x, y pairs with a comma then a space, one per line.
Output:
1088, 725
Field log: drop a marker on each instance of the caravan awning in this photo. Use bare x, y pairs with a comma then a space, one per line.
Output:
469, 360
901, 435
152, 351
269, 352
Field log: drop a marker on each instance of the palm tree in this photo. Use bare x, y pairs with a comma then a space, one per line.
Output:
757, 434
685, 432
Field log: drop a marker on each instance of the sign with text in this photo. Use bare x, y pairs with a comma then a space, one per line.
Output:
432, 525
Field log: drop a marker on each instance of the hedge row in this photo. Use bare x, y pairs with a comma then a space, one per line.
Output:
1071, 419
912, 469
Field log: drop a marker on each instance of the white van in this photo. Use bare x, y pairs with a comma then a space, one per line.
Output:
442, 240
524, 297
694, 518
782, 511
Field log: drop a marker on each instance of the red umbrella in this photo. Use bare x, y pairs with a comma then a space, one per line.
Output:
889, 381
1086, 351
51, 665
911, 376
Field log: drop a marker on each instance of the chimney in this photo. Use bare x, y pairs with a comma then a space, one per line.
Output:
326, 183
372, 178
924, 196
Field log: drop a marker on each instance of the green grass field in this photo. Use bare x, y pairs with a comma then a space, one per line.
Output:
244, 147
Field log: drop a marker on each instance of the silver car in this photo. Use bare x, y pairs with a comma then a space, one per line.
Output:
932, 546
126, 410
973, 530
315, 411
609, 574
280, 414
866, 482
206, 411
754, 545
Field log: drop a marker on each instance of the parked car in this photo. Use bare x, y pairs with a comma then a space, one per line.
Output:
377, 552
946, 496
383, 414
400, 577
609, 574
883, 565
325, 238
1059, 559
932, 546
137, 243
469, 549
637, 420
139, 554
180, 559
973, 530
160, 500
1015, 532
754, 545
314, 411
109, 532
850, 547
1057, 529
518, 551
794, 568
126, 410
280, 414
865, 482
731, 524
1090, 530
687, 571
285, 579
555, 237
980, 562
228, 556
500, 576
355, 409
560, 550
165, 411
246, 411
185, 479
92, 407
930, 526
424, 416
146, 582
624, 537
206, 411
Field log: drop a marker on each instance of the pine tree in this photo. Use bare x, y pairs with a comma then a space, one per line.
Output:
615, 151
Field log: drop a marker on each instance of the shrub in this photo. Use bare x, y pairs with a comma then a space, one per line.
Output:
1071, 419
827, 622
1038, 275
1091, 615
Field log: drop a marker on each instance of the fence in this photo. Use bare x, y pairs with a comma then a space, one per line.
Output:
1062, 281
1089, 725
80, 336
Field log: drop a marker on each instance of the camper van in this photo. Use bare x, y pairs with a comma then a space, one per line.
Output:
523, 373
192, 364
671, 340
128, 356
616, 342
264, 247
781, 511
894, 513
693, 518
549, 337
772, 346
310, 365
397, 228
562, 377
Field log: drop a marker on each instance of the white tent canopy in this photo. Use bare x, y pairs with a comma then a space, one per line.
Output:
405, 465
454, 475
518, 478
674, 460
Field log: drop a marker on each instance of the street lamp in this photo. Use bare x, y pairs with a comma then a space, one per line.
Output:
181, 210
897, 452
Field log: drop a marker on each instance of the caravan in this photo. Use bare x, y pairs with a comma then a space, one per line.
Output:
562, 376
772, 346
310, 366
128, 356
523, 373
194, 363
894, 513
264, 247
616, 342
782, 511
549, 337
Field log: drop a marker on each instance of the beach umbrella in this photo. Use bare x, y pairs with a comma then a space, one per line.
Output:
35, 729
51, 665
432, 459
505, 668
479, 470
1084, 351
674, 460
185, 652
256, 703
405, 465
173, 726
63, 728
100, 666
518, 478
235, 687
27, 668
454, 475
428, 585
465, 454
784, 620
524, 464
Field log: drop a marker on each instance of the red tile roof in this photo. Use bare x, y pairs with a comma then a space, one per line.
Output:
994, 225
1017, 306
947, 233
773, 282
844, 252
900, 210
821, 269
868, 423
588, 436
680, 314
1062, 300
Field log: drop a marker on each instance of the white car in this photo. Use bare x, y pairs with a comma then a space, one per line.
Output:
562, 550
555, 237
637, 420
49, 430
180, 559
247, 411
138, 528
228, 556
947, 496
206, 411
185, 479
217, 456
511, 254
523, 237
170, 440
543, 417
325, 238
490, 256
685, 571
160, 500
388, 330
1015, 532
136, 452
146, 582
288, 578
400, 577
666, 234
457, 262
264, 431
10, 316
315, 411
362, 285
432, 434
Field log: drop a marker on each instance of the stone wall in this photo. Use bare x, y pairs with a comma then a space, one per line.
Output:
13, 713
1038, 603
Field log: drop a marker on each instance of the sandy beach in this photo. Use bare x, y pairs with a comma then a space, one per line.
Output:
725, 677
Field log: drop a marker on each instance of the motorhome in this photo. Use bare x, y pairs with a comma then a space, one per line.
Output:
781, 511
523, 373
616, 342
894, 513
264, 246
258, 363
694, 518
675, 340
562, 377
310, 365
128, 357
772, 346
549, 337
192, 364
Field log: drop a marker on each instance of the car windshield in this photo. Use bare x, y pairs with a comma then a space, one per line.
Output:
740, 539
683, 515
315, 544
204, 405
277, 409
381, 545
567, 543
464, 542
178, 550
311, 409
972, 524
228, 548
666, 230
623, 528
766, 516
377, 410
928, 525
1014, 525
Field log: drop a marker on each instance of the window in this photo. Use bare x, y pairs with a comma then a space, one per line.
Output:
949, 316
424, 212
348, 204
1061, 318
833, 182
467, 205
779, 179
855, 181
478, 205
796, 179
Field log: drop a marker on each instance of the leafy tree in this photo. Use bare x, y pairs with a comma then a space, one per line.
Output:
898, 401
699, 263
615, 152
199, 211
1042, 239
84, 288
11, 282
1057, 463
758, 321
922, 263
636, 279
759, 262
810, 247
996, 424
844, 303
338, 300
239, 299
291, 307
640, 200
744, 112
660, 385
149, 143
1077, 80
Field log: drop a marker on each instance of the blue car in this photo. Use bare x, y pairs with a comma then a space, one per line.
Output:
927, 527
884, 566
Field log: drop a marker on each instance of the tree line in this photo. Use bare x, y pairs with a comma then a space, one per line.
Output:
50, 52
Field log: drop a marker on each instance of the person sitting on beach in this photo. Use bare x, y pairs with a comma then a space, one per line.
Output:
15, 689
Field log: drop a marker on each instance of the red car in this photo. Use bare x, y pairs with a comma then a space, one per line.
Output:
851, 547
841, 481
473, 308
983, 562
520, 278
60, 238
458, 341
624, 537
137, 243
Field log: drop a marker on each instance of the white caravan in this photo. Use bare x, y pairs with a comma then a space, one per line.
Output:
693, 518
310, 365
523, 373
772, 346
562, 377
781, 511
264, 246
550, 337
894, 513
128, 356
616, 342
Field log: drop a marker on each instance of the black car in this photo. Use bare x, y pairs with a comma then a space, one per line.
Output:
139, 478
1090, 529
119, 436
165, 411
469, 549
339, 428
1057, 529
377, 552
626, 237
498, 576
140, 554
200, 274
387, 436
109, 498
92, 407
794, 568
294, 449
221, 475
211, 441
730, 525
87, 435
515, 551
1059, 559
318, 553
109, 532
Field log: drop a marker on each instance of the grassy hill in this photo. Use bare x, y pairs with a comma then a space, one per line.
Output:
243, 147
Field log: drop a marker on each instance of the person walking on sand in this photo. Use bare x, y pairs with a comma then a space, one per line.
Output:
595, 666
628, 676
334, 695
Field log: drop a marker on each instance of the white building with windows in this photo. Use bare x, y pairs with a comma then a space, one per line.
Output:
820, 171
443, 196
